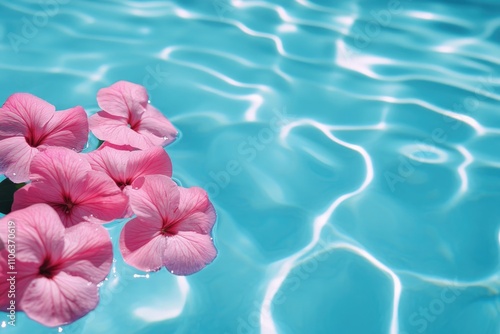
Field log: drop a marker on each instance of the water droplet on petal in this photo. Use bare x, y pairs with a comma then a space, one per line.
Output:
14, 174
172, 271
165, 137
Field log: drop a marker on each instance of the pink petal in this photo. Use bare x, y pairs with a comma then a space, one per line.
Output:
110, 161
149, 162
35, 194
15, 158
188, 252
195, 212
60, 300
88, 252
25, 114
128, 211
117, 147
68, 128
99, 201
60, 166
24, 275
115, 129
142, 245
154, 197
124, 99
60, 176
38, 233
55, 173
156, 127
124, 167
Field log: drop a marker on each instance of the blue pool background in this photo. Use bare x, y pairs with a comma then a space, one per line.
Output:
355, 144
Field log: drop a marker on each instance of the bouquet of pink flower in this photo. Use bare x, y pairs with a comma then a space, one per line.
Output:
53, 248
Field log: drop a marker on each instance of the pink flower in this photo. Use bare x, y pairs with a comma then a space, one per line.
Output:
58, 269
63, 179
28, 124
172, 227
124, 166
128, 119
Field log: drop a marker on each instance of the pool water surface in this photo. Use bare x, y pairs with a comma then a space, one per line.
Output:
350, 148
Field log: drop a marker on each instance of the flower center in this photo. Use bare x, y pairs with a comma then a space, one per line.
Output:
68, 204
35, 139
168, 232
122, 184
133, 124
47, 269
33, 142
169, 229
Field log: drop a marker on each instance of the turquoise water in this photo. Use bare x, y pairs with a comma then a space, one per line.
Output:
351, 149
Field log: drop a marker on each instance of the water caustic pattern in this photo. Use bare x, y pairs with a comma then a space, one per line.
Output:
351, 149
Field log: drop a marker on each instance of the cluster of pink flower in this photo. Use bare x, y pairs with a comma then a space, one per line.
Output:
60, 249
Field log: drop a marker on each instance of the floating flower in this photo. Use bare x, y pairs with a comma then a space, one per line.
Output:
172, 227
124, 166
29, 124
127, 118
57, 269
64, 179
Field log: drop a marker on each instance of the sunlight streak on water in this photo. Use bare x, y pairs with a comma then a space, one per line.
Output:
318, 226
